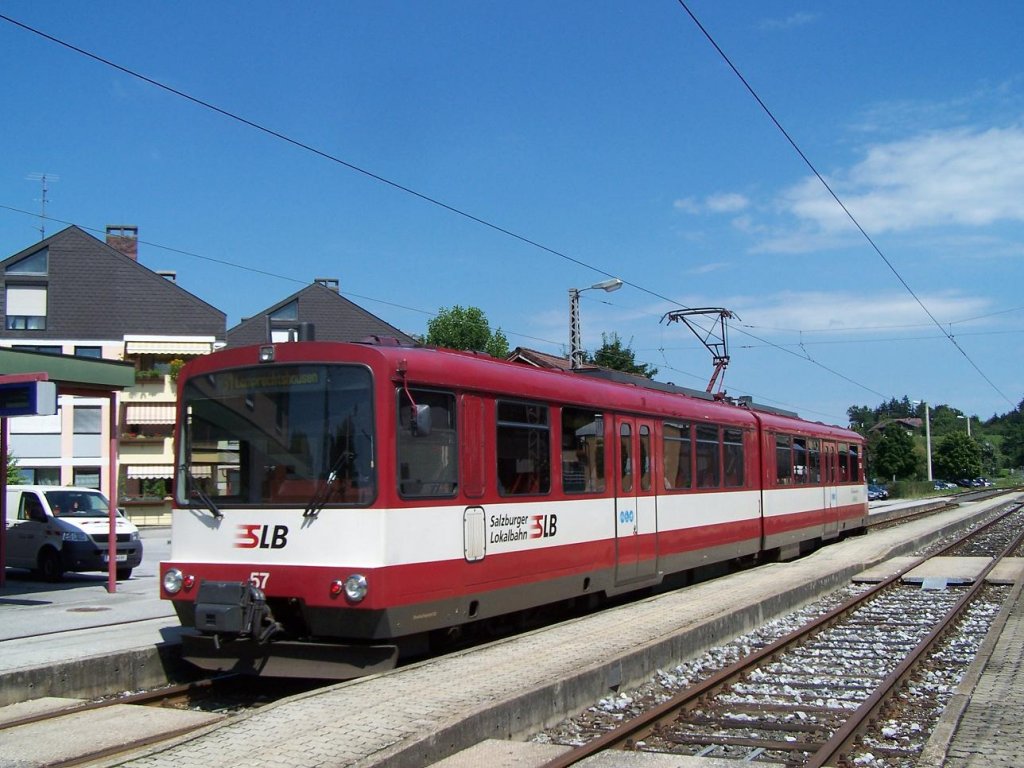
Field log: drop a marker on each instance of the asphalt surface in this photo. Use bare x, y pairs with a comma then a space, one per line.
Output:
65, 612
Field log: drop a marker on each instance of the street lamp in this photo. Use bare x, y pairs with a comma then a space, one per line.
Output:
927, 435
575, 348
968, 424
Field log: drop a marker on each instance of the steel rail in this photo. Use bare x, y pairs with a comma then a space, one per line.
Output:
642, 725
145, 697
843, 739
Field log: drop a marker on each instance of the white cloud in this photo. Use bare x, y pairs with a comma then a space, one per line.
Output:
722, 202
727, 203
798, 19
840, 312
960, 177
686, 205
708, 268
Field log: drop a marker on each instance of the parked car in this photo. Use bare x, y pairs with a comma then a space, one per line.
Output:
945, 485
53, 529
877, 492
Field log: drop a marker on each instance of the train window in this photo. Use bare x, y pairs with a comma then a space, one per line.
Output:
708, 456
844, 463
625, 459
814, 462
524, 449
800, 460
582, 451
296, 435
427, 462
855, 463
645, 458
783, 459
732, 453
677, 455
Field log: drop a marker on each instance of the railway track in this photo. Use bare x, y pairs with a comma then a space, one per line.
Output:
838, 690
83, 732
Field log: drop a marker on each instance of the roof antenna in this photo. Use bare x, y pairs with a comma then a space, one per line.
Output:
43, 177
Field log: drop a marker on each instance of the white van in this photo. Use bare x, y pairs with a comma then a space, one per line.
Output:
53, 529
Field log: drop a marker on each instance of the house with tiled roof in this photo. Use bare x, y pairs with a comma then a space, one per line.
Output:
75, 294
322, 309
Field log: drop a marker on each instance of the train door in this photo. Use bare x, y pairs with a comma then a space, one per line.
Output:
474, 477
636, 511
830, 490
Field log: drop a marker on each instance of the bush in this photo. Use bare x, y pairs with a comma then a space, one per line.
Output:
910, 489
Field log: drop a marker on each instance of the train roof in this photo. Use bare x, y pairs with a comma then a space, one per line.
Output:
596, 387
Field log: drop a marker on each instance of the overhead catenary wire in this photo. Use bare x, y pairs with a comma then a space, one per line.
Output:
874, 246
425, 197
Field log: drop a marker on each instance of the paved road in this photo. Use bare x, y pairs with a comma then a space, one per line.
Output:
29, 607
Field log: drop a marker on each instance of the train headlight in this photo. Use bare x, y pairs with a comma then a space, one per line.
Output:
355, 587
172, 581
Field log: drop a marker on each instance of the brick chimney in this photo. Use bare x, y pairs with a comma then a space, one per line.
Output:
124, 238
331, 283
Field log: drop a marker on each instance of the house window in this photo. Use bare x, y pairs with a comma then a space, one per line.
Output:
87, 477
39, 475
46, 349
88, 351
289, 311
26, 308
36, 264
88, 425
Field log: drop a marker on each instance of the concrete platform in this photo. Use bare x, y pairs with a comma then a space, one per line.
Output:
499, 753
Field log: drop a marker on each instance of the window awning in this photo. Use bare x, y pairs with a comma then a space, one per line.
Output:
150, 471
161, 471
153, 347
149, 413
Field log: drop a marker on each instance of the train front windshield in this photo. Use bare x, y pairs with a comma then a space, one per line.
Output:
296, 435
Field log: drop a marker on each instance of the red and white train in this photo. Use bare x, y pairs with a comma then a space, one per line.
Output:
336, 504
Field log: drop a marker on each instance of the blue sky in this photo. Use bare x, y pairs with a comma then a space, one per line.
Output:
611, 135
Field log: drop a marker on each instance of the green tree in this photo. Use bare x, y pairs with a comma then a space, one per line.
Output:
614, 354
1011, 427
957, 456
465, 328
894, 454
861, 417
13, 473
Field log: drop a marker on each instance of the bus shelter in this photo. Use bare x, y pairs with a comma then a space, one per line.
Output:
30, 383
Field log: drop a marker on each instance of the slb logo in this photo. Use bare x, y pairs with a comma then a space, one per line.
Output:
261, 536
543, 525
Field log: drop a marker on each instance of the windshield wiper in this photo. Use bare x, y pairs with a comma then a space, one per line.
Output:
326, 488
196, 492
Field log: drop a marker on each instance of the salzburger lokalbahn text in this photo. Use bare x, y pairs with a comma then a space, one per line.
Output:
341, 506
